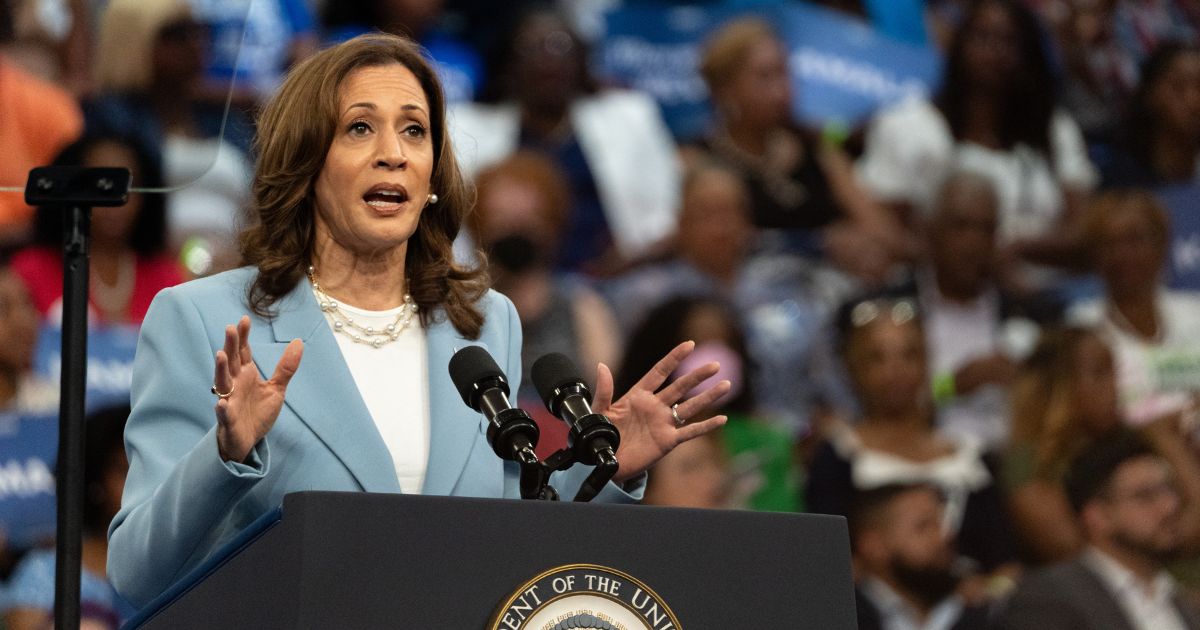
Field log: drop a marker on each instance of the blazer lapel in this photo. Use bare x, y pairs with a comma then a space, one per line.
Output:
454, 427
323, 393
1099, 602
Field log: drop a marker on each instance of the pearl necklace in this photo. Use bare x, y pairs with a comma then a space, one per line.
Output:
356, 332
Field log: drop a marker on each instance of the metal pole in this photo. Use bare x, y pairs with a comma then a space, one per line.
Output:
69, 556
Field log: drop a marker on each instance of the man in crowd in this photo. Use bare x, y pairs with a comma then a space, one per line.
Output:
1129, 513
975, 329
905, 563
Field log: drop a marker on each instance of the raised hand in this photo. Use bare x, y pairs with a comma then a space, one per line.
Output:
644, 416
247, 405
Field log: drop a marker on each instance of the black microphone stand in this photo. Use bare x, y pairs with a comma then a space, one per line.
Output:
605, 462
513, 436
74, 191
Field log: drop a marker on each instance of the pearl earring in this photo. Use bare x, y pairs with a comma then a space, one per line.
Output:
433, 199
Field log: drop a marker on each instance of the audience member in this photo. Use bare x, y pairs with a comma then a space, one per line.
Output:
712, 241
30, 602
522, 206
51, 39
149, 70
782, 300
1097, 75
760, 453
905, 563
1160, 138
624, 185
975, 330
1129, 512
1063, 399
129, 261
694, 475
21, 389
895, 440
1064, 402
797, 182
37, 119
1154, 331
994, 114
458, 65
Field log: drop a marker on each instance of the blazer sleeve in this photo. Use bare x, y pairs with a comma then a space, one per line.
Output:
178, 489
569, 481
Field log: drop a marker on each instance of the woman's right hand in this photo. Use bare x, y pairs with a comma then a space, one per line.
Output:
249, 411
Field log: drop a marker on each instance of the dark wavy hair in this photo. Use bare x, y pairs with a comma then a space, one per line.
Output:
149, 235
663, 328
1030, 99
295, 130
1141, 121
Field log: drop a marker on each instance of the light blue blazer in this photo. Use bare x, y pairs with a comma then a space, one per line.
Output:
182, 502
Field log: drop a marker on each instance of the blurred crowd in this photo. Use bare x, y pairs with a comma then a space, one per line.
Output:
953, 324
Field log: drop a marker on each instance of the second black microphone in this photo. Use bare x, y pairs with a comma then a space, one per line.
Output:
593, 437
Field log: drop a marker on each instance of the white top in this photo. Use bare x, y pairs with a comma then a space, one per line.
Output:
897, 614
910, 151
1146, 606
957, 334
393, 381
1154, 376
957, 474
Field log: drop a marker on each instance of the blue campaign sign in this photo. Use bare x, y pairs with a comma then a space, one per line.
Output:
28, 445
110, 362
842, 69
1183, 265
29, 442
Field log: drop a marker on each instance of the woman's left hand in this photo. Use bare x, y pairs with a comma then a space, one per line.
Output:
643, 415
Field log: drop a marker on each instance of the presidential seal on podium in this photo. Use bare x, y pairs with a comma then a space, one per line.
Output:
584, 596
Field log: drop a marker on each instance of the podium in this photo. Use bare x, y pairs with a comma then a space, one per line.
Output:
358, 560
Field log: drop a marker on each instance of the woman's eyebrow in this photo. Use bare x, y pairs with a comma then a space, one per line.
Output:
371, 106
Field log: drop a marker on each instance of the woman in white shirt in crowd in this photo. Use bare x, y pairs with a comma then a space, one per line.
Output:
1154, 331
995, 114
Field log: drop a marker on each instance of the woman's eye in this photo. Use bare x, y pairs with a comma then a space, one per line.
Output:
414, 131
358, 128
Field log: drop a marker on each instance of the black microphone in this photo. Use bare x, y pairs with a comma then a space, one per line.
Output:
511, 432
593, 437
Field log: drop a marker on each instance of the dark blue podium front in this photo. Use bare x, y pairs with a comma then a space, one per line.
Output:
357, 560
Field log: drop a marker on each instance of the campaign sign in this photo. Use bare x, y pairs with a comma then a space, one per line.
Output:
1183, 259
109, 363
28, 444
842, 69
29, 441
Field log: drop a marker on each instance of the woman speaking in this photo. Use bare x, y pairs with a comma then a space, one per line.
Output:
326, 355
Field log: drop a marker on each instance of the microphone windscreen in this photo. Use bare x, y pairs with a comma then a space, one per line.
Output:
470, 365
551, 372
